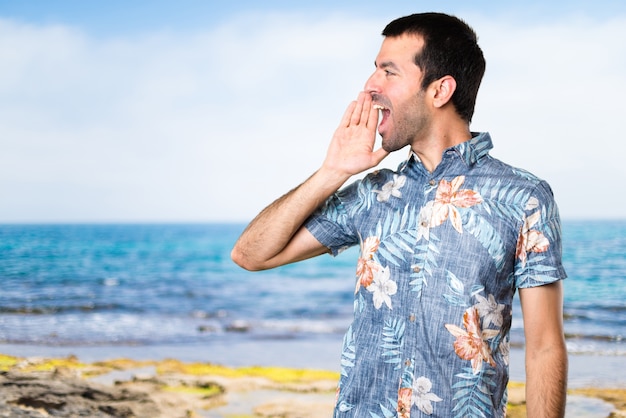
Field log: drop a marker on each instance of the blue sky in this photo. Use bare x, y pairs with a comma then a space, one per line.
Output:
150, 111
123, 16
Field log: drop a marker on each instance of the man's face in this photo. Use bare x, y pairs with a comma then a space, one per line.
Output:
395, 87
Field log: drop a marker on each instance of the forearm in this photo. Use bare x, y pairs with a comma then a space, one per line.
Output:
262, 245
546, 381
276, 237
546, 353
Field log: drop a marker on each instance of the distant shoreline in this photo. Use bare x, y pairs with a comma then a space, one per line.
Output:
322, 353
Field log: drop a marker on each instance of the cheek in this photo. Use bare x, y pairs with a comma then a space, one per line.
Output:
416, 108
405, 115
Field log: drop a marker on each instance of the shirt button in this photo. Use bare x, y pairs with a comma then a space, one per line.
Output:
416, 269
412, 317
432, 182
407, 363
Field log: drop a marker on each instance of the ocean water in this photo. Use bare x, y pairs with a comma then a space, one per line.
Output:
144, 285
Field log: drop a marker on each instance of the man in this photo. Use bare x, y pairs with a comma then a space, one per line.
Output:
445, 241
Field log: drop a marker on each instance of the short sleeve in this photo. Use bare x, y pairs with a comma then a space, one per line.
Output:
538, 256
330, 223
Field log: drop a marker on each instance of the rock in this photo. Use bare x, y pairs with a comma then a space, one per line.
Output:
35, 395
238, 326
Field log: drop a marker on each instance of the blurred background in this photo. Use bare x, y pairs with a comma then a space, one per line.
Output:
138, 138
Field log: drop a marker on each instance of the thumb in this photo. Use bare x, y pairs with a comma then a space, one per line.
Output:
379, 155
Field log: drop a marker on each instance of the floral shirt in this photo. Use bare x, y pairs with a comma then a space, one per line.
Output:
442, 255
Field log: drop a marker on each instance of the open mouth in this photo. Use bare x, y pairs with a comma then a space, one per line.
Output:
384, 112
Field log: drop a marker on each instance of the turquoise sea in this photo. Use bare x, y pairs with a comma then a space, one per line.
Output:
174, 285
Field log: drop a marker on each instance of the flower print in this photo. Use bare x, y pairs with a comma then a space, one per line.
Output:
422, 396
391, 188
366, 266
423, 225
471, 343
533, 203
369, 247
404, 402
449, 198
490, 311
530, 240
383, 288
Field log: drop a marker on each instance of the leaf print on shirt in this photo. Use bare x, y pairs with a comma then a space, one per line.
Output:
530, 240
388, 410
422, 395
348, 352
366, 266
393, 341
397, 235
457, 295
471, 395
471, 342
382, 288
505, 350
448, 199
391, 188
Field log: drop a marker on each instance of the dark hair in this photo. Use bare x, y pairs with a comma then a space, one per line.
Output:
450, 48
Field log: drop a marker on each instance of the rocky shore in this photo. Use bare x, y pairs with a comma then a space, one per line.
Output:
39, 387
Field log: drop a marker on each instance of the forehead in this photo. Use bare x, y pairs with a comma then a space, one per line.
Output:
400, 50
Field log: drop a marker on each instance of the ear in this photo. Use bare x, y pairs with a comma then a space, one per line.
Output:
444, 89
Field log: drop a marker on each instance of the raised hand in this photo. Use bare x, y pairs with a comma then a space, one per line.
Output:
276, 236
351, 150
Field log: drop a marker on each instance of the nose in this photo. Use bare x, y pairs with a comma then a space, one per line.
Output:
372, 85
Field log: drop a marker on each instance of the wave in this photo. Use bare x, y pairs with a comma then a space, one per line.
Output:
109, 328
583, 346
580, 309
51, 310
592, 337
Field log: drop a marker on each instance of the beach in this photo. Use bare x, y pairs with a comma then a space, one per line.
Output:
268, 378
585, 370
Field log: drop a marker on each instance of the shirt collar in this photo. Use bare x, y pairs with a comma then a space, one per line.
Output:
473, 150
470, 151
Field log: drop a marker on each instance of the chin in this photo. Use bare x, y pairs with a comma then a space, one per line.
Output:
392, 146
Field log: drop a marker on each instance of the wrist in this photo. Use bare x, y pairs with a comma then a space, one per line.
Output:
329, 178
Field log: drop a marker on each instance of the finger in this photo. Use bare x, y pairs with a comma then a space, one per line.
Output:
366, 111
356, 114
372, 120
347, 115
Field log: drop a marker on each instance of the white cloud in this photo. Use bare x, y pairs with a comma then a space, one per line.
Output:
214, 125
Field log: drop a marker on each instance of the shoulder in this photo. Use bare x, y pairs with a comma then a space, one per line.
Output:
519, 177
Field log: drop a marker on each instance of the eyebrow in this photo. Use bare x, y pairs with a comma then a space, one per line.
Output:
387, 64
